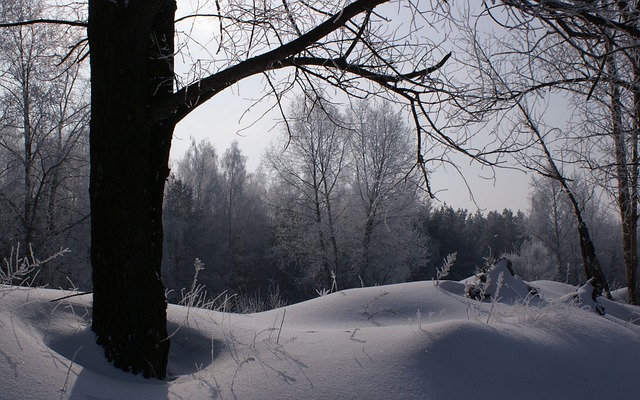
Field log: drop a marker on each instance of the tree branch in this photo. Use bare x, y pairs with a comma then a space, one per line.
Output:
561, 10
82, 24
187, 99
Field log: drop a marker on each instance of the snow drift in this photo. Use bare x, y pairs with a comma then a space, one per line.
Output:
421, 340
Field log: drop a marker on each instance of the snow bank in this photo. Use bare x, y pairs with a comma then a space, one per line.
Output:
405, 341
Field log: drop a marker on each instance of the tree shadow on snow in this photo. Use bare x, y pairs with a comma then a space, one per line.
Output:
98, 379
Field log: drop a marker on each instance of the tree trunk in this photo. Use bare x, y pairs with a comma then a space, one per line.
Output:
332, 232
631, 270
561, 276
326, 266
592, 267
625, 183
366, 238
131, 68
28, 207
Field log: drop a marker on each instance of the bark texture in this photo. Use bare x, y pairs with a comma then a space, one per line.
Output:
131, 70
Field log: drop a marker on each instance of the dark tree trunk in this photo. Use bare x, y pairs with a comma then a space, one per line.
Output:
131, 69
366, 242
332, 236
592, 267
591, 264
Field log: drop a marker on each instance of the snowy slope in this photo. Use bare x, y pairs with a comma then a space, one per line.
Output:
407, 341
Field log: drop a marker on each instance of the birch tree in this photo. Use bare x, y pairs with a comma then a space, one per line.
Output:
310, 162
385, 189
604, 37
581, 56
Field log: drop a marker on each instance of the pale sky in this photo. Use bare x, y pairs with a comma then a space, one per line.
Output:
225, 118
228, 117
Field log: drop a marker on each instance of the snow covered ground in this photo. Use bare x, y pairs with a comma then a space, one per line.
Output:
406, 341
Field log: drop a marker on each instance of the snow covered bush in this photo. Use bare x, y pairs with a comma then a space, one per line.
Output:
499, 278
533, 262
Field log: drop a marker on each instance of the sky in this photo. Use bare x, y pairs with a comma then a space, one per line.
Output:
230, 116
227, 117
419, 340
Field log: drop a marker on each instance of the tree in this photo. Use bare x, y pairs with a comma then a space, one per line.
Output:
346, 196
385, 195
213, 211
245, 224
179, 217
234, 202
134, 108
552, 223
502, 232
309, 163
603, 37
44, 128
475, 238
448, 233
199, 170
518, 78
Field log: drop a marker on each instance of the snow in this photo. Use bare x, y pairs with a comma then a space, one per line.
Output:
420, 340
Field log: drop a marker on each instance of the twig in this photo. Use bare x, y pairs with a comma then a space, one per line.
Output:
71, 295
66, 380
281, 323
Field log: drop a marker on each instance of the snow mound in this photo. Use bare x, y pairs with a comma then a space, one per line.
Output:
501, 283
584, 296
405, 341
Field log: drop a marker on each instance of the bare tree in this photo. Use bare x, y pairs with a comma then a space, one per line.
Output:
179, 218
551, 221
44, 134
213, 212
234, 201
603, 36
578, 55
310, 161
199, 170
592, 267
346, 196
135, 107
385, 188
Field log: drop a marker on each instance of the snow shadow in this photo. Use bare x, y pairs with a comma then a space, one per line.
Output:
190, 351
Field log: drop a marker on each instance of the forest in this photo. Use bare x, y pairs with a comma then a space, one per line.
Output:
332, 208
374, 99
335, 204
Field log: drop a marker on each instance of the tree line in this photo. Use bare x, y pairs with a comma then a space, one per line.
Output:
335, 205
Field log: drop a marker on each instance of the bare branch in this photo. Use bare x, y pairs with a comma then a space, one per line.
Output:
187, 99
82, 24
